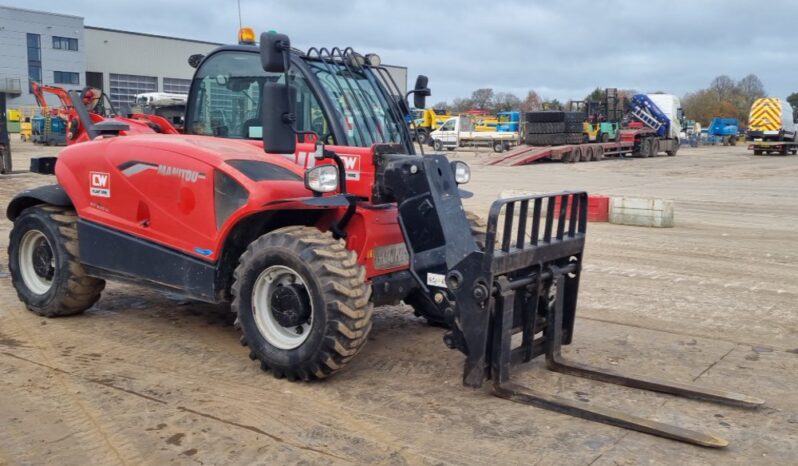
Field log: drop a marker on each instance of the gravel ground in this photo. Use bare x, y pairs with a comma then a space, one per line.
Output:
148, 378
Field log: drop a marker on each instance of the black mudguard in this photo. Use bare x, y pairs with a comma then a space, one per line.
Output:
51, 194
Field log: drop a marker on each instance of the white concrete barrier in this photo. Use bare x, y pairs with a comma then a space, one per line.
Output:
645, 212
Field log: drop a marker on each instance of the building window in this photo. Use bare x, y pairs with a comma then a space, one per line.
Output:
176, 86
66, 77
34, 58
65, 43
124, 88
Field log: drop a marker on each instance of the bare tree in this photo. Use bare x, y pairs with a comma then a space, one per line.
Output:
505, 102
482, 99
460, 104
751, 87
723, 86
531, 103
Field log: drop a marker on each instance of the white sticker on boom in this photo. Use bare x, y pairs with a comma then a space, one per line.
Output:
436, 279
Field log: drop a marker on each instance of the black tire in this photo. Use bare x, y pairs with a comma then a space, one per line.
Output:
577, 138
574, 117
545, 128
422, 136
587, 154
574, 127
418, 300
545, 139
784, 150
598, 153
645, 147
53, 258
604, 137
5, 160
546, 116
498, 147
757, 152
576, 155
333, 287
654, 148
674, 150
437, 144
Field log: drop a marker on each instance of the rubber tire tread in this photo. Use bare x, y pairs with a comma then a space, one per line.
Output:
544, 116
73, 291
545, 128
574, 117
344, 290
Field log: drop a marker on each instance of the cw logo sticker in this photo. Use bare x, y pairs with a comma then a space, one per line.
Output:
100, 184
352, 166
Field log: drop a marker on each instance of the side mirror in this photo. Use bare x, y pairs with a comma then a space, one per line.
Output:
421, 92
274, 52
277, 118
195, 60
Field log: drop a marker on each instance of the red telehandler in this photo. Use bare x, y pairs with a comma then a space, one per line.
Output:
297, 195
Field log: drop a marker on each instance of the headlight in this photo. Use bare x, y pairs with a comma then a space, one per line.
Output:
462, 172
322, 179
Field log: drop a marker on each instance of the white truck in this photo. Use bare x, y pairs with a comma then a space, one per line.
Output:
459, 131
771, 128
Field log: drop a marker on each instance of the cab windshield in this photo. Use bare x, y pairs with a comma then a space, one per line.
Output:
225, 101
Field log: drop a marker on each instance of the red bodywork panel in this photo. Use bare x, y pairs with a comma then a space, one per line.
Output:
161, 188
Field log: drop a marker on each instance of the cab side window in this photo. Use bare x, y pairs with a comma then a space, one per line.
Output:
226, 101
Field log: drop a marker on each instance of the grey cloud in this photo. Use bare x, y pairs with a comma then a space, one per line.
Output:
561, 49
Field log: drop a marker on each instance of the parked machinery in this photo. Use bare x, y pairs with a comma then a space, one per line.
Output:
305, 227
426, 121
771, 128
723, 130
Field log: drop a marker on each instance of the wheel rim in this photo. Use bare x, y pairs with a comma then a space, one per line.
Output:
270, 319
36, 262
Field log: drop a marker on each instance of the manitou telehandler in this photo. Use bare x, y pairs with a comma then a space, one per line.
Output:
297, 195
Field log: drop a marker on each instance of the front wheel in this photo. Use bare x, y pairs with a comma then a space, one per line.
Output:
302, 303
437, 144
43, 261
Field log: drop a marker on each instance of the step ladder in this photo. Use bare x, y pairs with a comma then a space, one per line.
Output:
645, 117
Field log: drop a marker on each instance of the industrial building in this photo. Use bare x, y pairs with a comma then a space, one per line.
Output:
58, 49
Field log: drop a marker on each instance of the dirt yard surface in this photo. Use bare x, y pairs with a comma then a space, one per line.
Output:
148, 378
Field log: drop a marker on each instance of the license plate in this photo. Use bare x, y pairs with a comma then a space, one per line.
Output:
757, 139
388, 257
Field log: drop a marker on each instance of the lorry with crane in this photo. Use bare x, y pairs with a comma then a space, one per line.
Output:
305, 208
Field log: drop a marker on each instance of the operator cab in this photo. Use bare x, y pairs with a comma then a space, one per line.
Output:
343, 102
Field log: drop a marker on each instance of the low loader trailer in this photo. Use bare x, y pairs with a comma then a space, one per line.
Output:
639, 142
305, 208
773, 147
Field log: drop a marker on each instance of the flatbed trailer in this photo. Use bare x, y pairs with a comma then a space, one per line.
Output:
633, 143
773, 147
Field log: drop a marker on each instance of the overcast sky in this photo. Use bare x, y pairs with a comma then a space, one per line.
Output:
561, 49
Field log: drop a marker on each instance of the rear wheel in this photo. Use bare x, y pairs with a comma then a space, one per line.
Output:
654, 148
418, 300
422, 136
302, 303
645, 147
498, 147
43, 261
587, 154
757, 152
576, 154
598, 153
